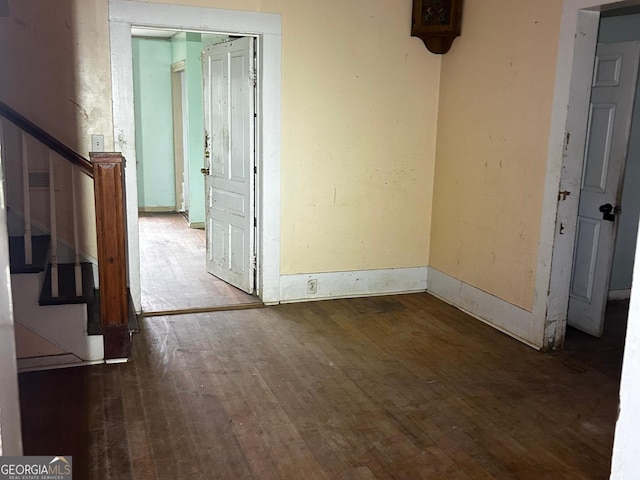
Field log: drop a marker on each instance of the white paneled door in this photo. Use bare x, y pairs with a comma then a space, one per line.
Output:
610, 113
229, 108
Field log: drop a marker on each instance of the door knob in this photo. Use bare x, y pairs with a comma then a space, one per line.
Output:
204, 171
609, 212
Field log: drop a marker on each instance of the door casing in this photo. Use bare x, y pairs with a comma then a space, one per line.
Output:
267, 28
576, 51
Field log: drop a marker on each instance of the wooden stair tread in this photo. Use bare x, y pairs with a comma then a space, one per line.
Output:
40, 251
66, 285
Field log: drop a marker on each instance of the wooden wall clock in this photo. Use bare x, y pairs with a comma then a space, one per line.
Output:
437, 23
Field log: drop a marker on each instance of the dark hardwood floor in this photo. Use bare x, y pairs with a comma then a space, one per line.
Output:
173, 270
602, 354
399, 387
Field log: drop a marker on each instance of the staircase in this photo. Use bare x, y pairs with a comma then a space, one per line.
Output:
55, 255
53, 331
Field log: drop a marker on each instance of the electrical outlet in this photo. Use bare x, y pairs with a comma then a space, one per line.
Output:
312, 286
97, 143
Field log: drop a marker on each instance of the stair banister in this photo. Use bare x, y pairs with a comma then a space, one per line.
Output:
50, 141
54, 228
26, 201
112, 255
76, 236
107, 171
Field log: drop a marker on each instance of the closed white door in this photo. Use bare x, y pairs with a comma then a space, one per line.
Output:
229, 105
611, 109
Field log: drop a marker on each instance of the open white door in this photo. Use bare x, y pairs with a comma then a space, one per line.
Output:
610, 113
229, 107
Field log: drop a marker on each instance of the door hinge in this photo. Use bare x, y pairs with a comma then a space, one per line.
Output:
255, 222
254, 262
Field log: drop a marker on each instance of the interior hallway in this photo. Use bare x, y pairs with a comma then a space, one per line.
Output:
400, 387
173, 270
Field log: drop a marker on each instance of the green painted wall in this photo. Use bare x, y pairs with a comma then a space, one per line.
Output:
154, 123
152, 60
613, 30
187, 47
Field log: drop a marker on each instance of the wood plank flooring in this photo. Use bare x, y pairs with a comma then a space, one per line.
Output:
172, 268
399, 387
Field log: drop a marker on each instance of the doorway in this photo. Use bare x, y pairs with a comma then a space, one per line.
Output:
267, 30
168, 97
577, 47
602, 206
180, 139
617, 29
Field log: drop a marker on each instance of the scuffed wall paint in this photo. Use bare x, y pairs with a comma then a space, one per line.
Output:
493, 129
56, 67
359, 109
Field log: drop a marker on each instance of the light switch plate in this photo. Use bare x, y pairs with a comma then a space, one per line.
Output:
97, 143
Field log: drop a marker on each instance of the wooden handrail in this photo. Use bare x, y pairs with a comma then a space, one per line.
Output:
53, 143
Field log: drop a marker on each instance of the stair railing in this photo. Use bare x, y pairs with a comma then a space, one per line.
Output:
106, 169
26, 201
29, 130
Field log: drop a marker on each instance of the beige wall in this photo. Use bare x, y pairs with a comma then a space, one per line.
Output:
359, 109
55, 58
56, 72
359, 125
493, 126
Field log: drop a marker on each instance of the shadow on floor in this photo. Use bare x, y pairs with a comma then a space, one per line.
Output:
601, 354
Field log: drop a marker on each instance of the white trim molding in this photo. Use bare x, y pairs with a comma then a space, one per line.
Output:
10, 427
267, 28
500, 314
574, 68
359, 283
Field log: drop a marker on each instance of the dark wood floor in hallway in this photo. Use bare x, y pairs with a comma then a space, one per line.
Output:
401, 387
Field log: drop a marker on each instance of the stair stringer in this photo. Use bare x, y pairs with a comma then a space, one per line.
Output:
65, 326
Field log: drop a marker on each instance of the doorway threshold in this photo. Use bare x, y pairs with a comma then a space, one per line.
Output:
219, 308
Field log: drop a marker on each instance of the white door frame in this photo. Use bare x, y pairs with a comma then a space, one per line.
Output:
267, 28
576, 53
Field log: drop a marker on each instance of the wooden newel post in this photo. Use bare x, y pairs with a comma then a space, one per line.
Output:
108, 178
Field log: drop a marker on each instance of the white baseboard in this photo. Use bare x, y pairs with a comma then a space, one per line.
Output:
620, 294
161, 209
500, 314
361, 283
115, 361
53, 362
